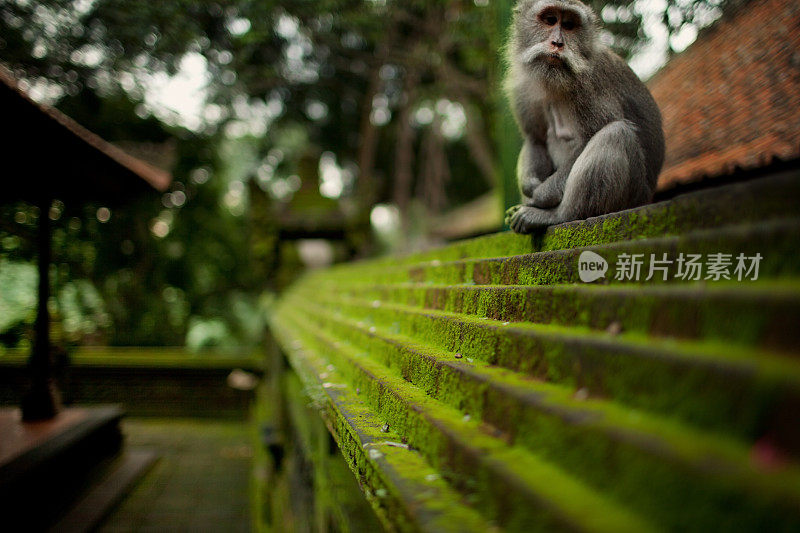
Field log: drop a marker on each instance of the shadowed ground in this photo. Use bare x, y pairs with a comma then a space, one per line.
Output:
199, 484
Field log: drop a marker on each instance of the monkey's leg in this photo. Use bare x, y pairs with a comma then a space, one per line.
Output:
607, 176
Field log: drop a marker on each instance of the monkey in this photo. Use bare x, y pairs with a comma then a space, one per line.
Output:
593, 142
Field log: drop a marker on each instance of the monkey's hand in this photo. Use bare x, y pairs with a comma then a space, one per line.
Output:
549, 193
527, 219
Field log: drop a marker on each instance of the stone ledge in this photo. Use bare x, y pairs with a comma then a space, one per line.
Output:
667, 405
46, 464
753, 201
765, 310
545, 500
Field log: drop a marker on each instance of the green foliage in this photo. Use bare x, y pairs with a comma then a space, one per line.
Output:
398, 92
17, 297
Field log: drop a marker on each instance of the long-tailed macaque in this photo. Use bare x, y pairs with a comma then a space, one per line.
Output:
593, 141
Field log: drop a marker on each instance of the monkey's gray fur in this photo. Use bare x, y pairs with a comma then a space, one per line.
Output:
593, 141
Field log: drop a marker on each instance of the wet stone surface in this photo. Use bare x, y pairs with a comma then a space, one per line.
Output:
200, 482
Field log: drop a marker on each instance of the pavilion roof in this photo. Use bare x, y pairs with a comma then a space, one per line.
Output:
46, 154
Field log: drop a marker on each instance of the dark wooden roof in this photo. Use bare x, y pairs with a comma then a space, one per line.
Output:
46, 154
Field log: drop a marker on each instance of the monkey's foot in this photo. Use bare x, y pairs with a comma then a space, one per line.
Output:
526, 219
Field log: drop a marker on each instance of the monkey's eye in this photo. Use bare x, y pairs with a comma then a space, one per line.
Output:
550, 20
568, 25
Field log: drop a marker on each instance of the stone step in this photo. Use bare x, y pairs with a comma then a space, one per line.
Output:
122, 476
45, 465
755, 314
510, 487
544, 402
404, 490
750, 202
551, 421
776, 241
739, 391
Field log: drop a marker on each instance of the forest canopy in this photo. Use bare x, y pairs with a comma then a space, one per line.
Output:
396, 103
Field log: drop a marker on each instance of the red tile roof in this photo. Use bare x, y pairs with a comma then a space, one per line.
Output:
732, 99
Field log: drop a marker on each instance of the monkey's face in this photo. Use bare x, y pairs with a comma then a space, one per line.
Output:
553, 38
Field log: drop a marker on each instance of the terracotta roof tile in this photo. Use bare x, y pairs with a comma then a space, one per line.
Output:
732, 99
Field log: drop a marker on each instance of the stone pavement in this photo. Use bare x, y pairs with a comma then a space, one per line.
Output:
199, 484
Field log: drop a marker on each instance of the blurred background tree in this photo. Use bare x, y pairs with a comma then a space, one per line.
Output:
397, 100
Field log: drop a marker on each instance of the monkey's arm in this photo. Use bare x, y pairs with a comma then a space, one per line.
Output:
533, 166
551, 191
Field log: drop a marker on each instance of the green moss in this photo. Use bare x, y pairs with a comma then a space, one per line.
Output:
406, 492
753, 314
164, 357
567, 442
720, 386
576, 442
499, 328
779, 238
482, 466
